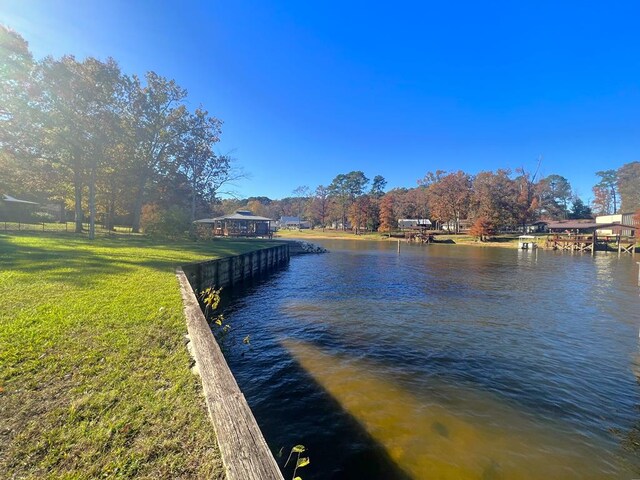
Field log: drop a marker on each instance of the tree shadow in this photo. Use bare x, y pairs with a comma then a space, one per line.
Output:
74, 259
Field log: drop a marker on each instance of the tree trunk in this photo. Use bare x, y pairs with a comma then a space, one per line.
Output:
92, 203
137, 207
193, 202
77, 185
111, 208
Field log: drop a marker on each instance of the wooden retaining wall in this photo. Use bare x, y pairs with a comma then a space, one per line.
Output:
228, 271
245, 453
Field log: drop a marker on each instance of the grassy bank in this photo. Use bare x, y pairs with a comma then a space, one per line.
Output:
94, 374
509, 241
317, 233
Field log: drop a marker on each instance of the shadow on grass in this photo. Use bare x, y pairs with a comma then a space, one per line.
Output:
68, 265
76, 259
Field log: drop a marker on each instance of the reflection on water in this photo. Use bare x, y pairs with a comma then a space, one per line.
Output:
443, 362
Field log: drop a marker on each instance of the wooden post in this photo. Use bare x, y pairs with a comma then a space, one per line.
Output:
619, 246
593, 245
398, 245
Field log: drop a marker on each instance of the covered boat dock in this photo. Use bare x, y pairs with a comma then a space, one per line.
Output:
583, 236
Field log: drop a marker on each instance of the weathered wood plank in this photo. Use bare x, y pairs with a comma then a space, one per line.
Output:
244, 451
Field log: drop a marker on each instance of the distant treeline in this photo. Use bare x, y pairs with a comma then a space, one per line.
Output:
488, 200
86, 136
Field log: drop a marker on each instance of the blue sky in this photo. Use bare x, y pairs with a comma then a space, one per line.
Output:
308, 90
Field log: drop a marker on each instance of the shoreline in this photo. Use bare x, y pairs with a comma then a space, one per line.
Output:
450, 239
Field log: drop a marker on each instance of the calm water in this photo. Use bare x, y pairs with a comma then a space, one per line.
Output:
443, 362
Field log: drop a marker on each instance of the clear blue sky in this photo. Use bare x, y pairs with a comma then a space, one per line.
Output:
308, 90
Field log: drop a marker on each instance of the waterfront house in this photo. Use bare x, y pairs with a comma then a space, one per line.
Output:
618, 218
540, 226
293, 223
414, 223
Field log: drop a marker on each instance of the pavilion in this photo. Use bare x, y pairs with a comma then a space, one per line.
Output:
242, 223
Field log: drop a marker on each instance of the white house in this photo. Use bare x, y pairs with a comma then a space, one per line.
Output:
423, 223
293, 223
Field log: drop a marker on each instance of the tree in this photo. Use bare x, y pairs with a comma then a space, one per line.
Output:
78, 116
629, 186
361, 213
101, 86
377, 186
418, 198
495, 199
431, 177
554, 193
450, 198
18, 90
609, 183
579, 209
387, 212
156, 118
345, 188
602, 202
527, 203
482, 228
18, 130
320, 205
301, 194
205, 171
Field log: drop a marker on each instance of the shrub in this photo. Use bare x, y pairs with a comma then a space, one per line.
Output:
172, 222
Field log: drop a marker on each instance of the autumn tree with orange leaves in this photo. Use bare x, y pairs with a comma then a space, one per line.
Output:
450, 198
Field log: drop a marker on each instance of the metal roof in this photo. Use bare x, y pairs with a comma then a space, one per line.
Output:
578, 225
10, 199
239, 215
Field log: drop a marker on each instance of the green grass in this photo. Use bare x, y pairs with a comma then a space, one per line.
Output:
94, 373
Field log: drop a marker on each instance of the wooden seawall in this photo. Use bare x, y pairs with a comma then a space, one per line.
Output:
244, 451
228, 271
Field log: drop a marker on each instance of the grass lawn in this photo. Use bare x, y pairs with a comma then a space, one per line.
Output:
94, 373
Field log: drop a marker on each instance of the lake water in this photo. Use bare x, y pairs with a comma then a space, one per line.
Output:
443, 362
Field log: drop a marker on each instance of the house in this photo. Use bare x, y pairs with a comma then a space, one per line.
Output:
450, 226
242, 223
291, 223
621, 218
414, 223
15, 210
338, 225
540, 226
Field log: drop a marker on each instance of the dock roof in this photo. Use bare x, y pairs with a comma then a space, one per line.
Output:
239, 215
586, 225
